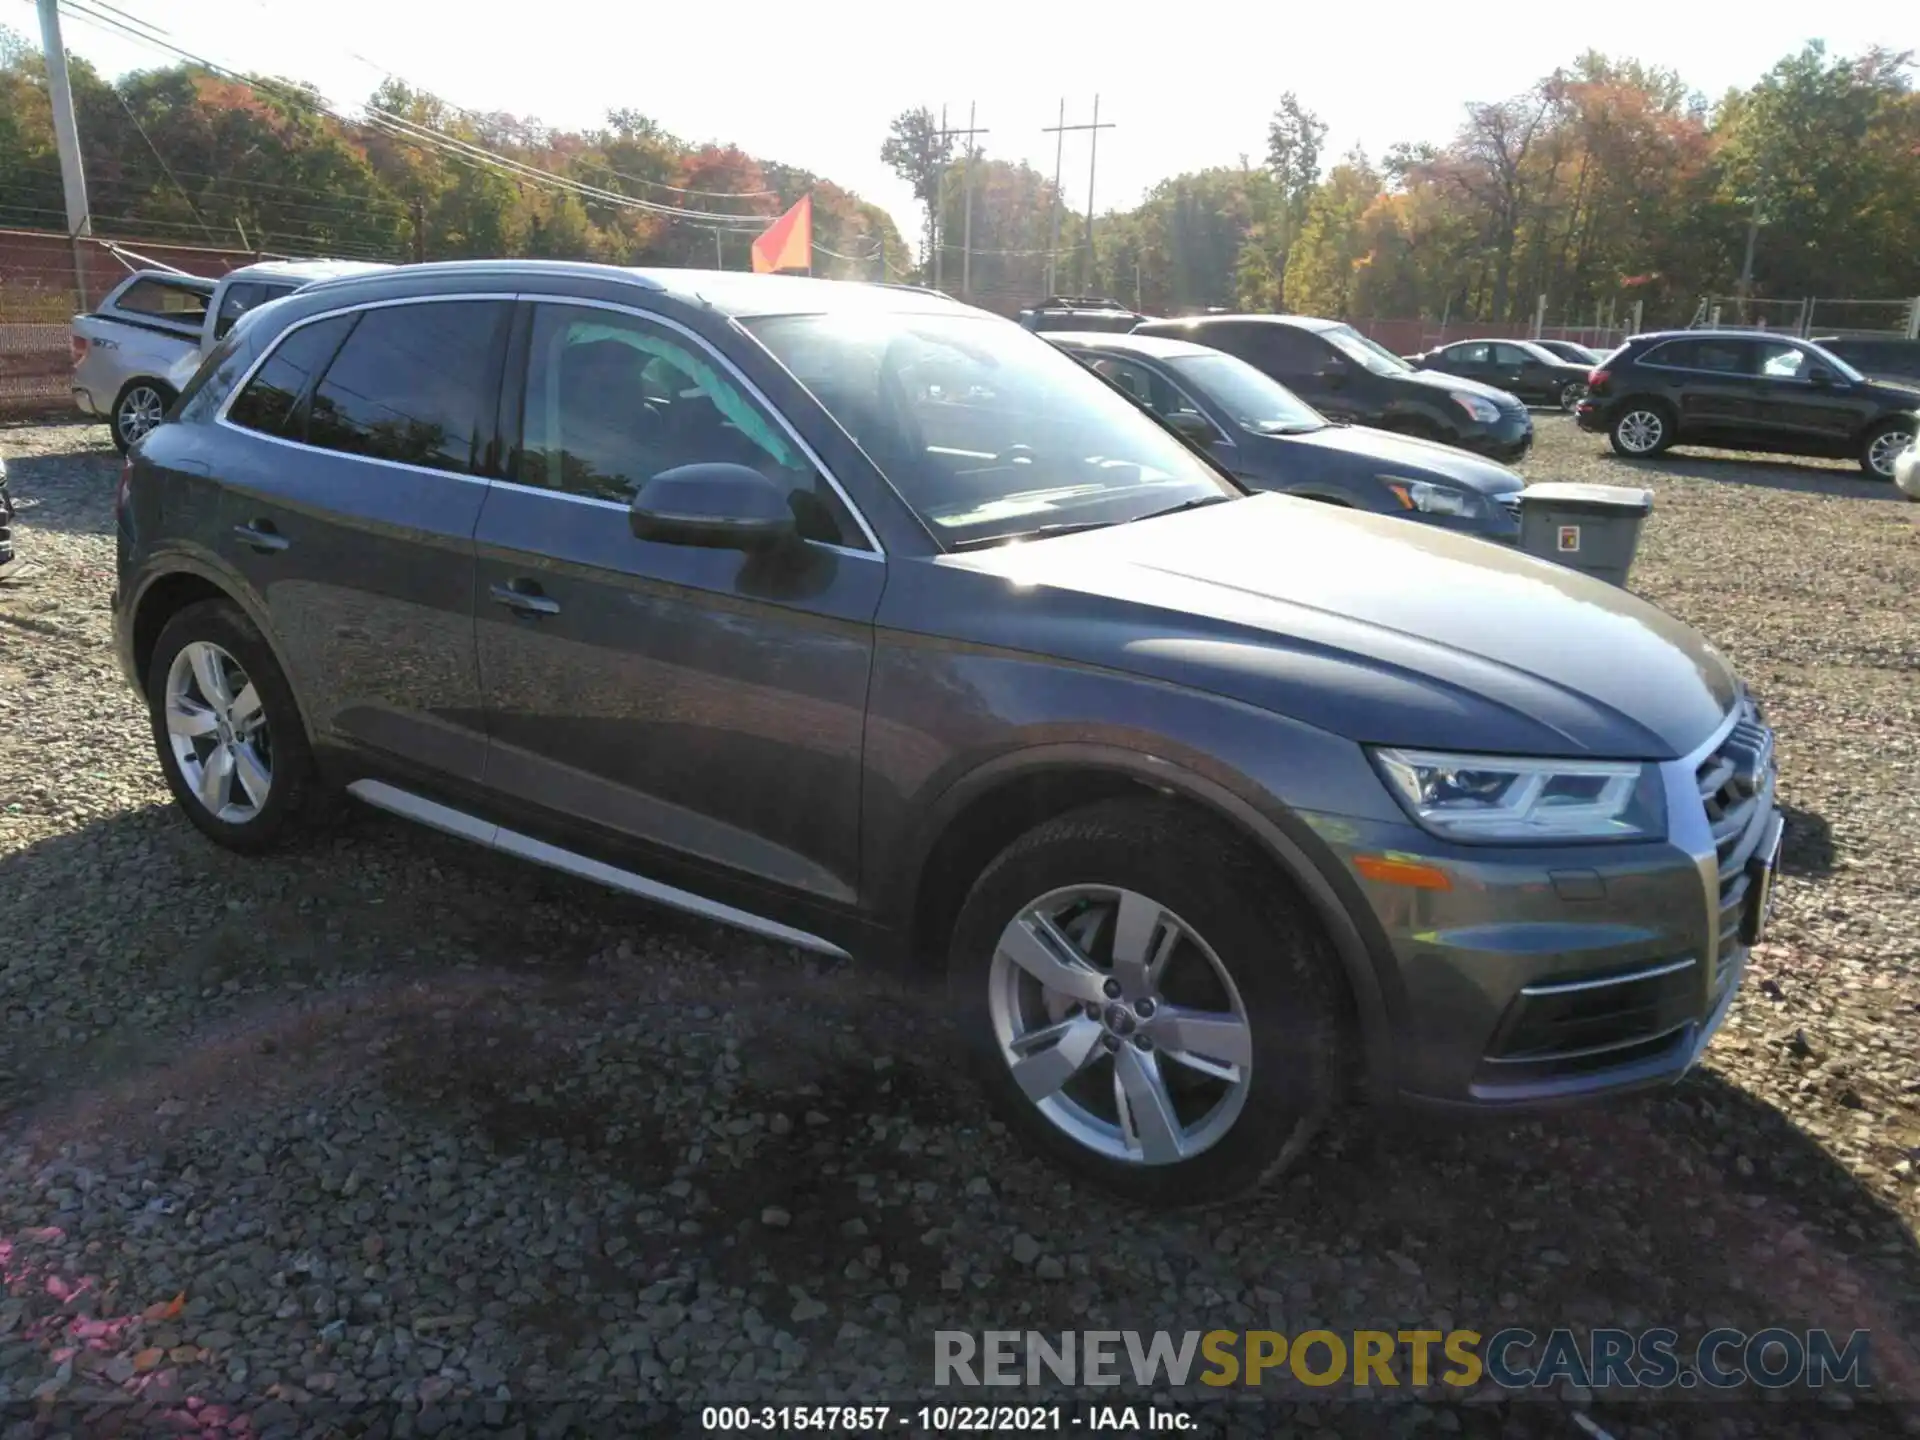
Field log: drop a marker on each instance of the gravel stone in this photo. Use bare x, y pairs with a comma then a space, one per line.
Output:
390, 1118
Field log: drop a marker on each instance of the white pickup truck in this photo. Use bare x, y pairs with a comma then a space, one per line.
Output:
136, 350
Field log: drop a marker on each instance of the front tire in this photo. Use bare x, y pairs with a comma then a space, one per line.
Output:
230, 738
1147, 1004
1641, 431
1882, 447
137, 409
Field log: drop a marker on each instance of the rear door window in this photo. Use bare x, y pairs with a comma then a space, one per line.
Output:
414, 384
1727, 357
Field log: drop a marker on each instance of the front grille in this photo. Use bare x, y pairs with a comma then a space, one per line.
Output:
1510, 503
1736, 787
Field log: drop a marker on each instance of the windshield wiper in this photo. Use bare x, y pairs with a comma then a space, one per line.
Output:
1039, 532
1194, 504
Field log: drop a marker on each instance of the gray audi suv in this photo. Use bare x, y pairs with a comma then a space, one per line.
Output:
874, 624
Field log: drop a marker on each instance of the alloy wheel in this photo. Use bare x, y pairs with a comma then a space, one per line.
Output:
1640, 431
217, 729
1885, 450
1571, 395
140, 410
1120, 1024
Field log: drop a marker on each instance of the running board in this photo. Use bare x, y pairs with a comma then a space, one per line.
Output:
497, 837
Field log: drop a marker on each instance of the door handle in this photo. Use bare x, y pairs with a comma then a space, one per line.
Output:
523, 597
261, 536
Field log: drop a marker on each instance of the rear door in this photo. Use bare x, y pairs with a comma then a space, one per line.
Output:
1713, 382
355, 465
701, 710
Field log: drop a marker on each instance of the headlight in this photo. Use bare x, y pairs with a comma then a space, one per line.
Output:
1480, 408
1431, 499
1488, 798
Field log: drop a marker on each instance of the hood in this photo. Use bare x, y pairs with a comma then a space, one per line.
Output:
1440, 381
1364, 626
1895, 390
1369, 452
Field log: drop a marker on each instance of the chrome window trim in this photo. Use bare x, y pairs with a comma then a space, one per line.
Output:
1152, 368
877, 551
1801, 346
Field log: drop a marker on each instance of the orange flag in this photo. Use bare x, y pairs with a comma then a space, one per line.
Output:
787, 244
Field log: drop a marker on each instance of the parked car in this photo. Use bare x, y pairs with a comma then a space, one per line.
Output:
1080, 312
1739, 390
125, 346
6, 517
137, 351
1571, 350
1906, 470
882, 626
1878, 357
1270, 439
1518, 367
1345, 376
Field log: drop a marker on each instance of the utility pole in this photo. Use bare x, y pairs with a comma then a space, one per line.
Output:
1060, 133
66, 134
719, 260
966, 237
1093, 157
1746, 265
419, 231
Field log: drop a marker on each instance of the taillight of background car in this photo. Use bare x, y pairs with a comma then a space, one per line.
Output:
79, 343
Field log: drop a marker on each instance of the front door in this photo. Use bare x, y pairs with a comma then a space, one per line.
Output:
687, 705
349, 508
1798, 413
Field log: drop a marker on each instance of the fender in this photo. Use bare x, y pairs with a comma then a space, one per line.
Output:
205, 565
1288, 842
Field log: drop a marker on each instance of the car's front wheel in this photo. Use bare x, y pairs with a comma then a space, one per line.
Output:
231, 742
1148, 1003
138, 407
1882, 447
1640, 431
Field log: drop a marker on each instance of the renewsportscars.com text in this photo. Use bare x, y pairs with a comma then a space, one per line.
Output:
1513, 1358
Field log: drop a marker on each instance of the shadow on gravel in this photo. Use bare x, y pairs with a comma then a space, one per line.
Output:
1807, 850
1769, 472
69, 509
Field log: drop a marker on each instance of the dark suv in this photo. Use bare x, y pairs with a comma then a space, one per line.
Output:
1345, 376
1080, 312
869, 622
1739, 390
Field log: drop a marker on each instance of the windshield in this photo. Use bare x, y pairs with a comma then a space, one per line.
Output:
986, 430
1362, 351
1845, 370
1253, 400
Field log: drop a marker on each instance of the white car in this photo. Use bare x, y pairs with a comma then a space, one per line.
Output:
137, 351
1906, 469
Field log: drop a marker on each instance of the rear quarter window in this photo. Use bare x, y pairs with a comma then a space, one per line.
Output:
180, 303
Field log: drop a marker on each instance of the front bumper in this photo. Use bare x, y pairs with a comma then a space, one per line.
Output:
1906, 472
1544, 976
1591, 415
1506, 440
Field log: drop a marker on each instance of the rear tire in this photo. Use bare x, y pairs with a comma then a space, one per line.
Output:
136, 410
1570, 395
1214, 1106
230, 738
1641, 430
1882, 447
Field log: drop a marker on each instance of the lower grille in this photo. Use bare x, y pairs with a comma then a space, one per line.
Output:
1586, 1018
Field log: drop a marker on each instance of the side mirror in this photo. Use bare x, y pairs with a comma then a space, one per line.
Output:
1333, 370
1819, 375
1191, 424
714, 506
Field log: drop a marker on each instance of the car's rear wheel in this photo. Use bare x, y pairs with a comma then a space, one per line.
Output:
1147, 1003
231, 742
1883, 446
137, 409
1571, 393
1640, 431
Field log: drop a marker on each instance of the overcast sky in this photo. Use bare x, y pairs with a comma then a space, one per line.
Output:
1186, 85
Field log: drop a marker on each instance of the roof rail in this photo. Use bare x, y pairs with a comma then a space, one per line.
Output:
1102, 302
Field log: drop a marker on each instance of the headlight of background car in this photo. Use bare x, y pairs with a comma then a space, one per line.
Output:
1481, 409
1488, 798
1431, 499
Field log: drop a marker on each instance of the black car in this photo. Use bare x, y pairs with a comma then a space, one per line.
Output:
1569, 350
1519, 367
6, 518
1273, 440
1080, 312
1345, 376
1739, 390
1878, 357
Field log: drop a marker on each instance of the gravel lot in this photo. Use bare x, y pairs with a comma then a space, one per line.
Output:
400, 1127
